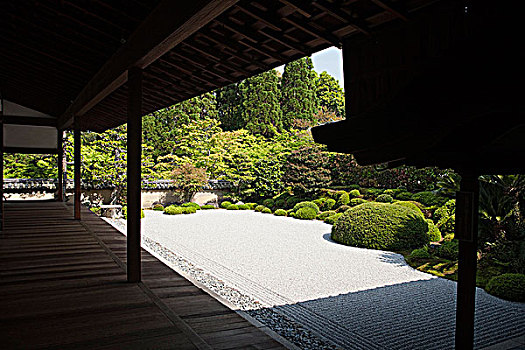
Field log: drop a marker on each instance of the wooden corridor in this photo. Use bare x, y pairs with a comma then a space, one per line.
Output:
63, 286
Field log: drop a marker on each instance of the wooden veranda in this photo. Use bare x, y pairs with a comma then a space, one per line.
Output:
63, 285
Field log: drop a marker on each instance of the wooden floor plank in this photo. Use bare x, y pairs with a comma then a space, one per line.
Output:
63, 286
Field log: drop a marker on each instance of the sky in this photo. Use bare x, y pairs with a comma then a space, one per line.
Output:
329, 60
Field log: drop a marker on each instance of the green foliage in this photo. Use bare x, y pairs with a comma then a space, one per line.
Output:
189, 178
311, 205
354, 193
298, 100
403, 196
95, 210
233, 207
342, 199
268, 203
429, 198
229, 107
191, 204
251, 206
448, 250
261, 109
243, 207
226, 204
381, 226
306, 212
280, 212
357, 201
384, 198
447, 224
173, 210
323, 215
410, 204
420, 253
158, 207
343, 208
292, 201
333, 218
509, 286
434, 234
189, 210
266, 211
207, 207
330, 95
260, 208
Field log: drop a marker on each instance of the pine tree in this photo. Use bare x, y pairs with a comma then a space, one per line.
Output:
298, 93
330, 95
261, 111
229, 107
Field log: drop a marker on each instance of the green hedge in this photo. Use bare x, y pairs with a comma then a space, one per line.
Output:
429, 198
434, 235
420, 253
251, 205
342, 199
191, 205
173, 210
381, 226
189, 210
410, 204
357, 201
306, 213
280, 212
158, 207
384, 198
243, 207
343, 208
226, 204
302, 205
333, 219
266, 211
207, 206
509, 286
323, 215
259, 208
448, 249
268, 203
233, 207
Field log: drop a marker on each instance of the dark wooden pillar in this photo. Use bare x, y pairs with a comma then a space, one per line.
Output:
467, 201
77, 164
60, 166
134, 176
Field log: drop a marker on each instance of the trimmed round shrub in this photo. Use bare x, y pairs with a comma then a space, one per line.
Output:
411, 205
445, 211
390, 192
268, 203
381, 226
191, 205
225, 204
158, 207
373, 192
280, 212
173, 210
342, 199
292, 201
420, 253
233, 207
243, 207
207, 207
189, 210
329, 204
509, 286
319, 202
384, 198
280, 203
333, 219
306, 213
448, 250
288, 212
266, 211
357, 201
251, 205
434, 235
429, 198
323, 215
403, 196
447, 224
343, 208
302, 205
125, 212
259, 208
354, 194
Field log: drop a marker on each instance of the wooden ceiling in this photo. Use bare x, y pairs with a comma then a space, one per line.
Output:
67, 58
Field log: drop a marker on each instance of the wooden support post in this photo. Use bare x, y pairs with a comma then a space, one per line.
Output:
60, 166
134, 175
466, 231
77, 164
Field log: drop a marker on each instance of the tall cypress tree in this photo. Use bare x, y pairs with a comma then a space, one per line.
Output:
330, 95
261, 110
229, 107
298, 93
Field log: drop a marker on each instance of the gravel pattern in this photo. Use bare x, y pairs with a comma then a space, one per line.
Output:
297, 281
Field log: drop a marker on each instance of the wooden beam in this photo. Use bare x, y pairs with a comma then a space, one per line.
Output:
466, 231
356, 23
77, 166
168, 25
134, 177
392, 8
1, 164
